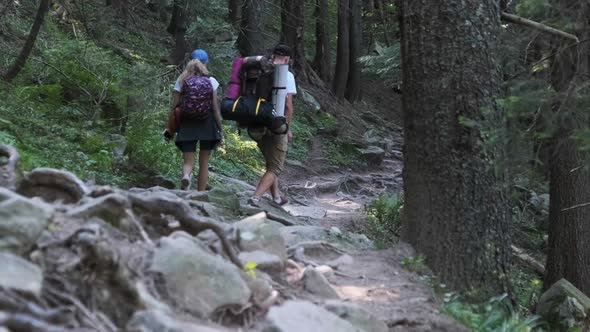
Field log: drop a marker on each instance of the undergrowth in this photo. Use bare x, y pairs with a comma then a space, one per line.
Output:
384, 219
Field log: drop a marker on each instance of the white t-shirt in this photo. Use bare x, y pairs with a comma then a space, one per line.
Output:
291, 88
214, 84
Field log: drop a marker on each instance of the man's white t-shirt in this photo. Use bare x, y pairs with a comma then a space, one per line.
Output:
178, 86
291, 88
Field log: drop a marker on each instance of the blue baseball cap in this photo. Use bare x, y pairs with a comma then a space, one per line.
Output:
200, 55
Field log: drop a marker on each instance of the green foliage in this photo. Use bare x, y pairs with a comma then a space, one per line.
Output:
414, 263
497, 315
386, 65
533, 9
384, 219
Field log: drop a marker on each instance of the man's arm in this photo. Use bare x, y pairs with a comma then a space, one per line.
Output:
289, 113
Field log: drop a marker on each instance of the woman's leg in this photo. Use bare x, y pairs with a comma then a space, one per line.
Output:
203, 169
189, 163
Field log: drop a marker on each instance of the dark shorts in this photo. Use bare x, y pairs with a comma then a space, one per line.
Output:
191, 146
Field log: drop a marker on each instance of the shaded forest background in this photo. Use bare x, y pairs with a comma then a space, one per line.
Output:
93, 94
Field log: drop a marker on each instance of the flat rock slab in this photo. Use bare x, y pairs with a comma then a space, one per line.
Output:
158, 321
20, 274
196, 279
298, 316
314, 212
356, 315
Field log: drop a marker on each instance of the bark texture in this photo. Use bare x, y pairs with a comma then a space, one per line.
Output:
455, 210
177, 28
342, 53
321, 62
235, 12
353, 86
251, 36
569, 210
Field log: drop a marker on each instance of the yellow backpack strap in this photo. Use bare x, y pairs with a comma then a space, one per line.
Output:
260, 100
233, 109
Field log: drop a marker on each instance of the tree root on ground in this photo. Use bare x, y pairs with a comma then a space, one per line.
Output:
8, 170
189, 221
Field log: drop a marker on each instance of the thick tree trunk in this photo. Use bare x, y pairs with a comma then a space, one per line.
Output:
321, 62
292, 29
455, 212
569, 211
353, 86
380, 7
343, 50
177, 28
251, 36
20, 61
235, 12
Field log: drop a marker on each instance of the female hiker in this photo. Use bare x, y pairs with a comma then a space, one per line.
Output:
195, 111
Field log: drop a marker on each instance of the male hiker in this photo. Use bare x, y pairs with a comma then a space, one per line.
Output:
273, 146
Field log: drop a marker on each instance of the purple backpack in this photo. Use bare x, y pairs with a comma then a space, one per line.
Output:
197, 98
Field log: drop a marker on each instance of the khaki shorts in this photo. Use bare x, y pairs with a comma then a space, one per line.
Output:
274, 150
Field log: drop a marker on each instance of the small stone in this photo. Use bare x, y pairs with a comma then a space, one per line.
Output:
318, 285
264, 260
20, 274
335, 231
325, 270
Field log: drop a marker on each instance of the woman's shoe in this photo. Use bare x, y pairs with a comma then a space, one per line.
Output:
185, 182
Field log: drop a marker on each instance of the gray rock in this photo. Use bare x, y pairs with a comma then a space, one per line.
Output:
356, 315
158, 321
197, 280
335, 231
264, 261
343, 260
53, 185
259, 233
563, 304
200, 196
20, 274
309, 99
225, 199
318, 285
297, 234
297, 316
164, 182
373, 155
325, 270
111, 208
539, 203
22, 220
118, 144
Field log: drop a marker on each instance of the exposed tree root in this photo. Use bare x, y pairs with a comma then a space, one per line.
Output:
8, 170
189, 221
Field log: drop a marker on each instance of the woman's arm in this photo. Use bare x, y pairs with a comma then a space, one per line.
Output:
216, 111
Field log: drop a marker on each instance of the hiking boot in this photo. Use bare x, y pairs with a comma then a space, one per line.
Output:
185, 183
254, 201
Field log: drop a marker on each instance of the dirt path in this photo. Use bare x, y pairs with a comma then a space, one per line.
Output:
374, 279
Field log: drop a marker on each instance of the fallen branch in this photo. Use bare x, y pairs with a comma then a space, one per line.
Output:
536, 25
528, 260
575, 206
189, 221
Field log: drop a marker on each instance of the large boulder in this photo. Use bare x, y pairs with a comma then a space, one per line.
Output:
296, 316
53, 185
225, 199
22, 220
197, 280
259, 233
20, 274
373, 155
356, 315
563, 305
297, 234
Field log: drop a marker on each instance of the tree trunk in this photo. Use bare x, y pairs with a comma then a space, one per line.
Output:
177, 28
342, 52
455, 211
569, 210
235, 12
292, 22
380, 7
251, 36
353, 86
20, 61
321, 62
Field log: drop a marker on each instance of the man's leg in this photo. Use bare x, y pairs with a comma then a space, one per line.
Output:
274, 150
266, 182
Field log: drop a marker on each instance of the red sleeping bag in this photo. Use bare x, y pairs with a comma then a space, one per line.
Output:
232, 90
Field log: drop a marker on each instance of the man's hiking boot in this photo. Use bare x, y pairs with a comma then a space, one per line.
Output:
282, 200
185, 183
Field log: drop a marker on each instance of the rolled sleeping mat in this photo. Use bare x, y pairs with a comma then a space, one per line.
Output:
279, 89
232, 90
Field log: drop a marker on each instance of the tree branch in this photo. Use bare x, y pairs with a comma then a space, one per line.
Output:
528, 260
536, 25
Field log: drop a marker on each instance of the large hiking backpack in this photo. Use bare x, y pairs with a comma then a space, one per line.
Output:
253, 106
197, 98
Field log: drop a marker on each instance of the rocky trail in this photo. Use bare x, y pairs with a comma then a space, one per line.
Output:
79, 257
